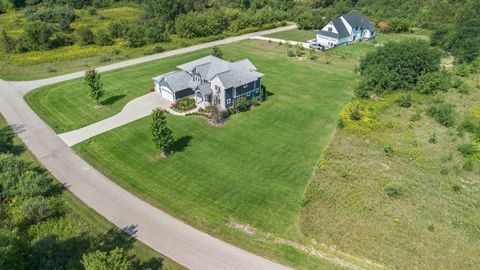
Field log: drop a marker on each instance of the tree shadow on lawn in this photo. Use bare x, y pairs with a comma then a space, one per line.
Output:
111, 100
180, 144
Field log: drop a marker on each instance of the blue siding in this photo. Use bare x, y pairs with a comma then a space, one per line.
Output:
229, 95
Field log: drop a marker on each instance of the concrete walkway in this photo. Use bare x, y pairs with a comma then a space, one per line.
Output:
133, 110
278, 40
163, 233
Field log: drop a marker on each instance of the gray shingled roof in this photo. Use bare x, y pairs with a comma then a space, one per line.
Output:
353, 19
328, 34
204, 89
240, 73
341, 29
230, 74
177, 80
356, 20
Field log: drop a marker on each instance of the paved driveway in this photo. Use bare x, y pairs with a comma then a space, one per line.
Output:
165, 234
133, 110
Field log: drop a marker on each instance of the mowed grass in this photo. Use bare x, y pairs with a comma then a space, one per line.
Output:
67, 106
90, 222
295, 35
434, 221
256, 166
254, 169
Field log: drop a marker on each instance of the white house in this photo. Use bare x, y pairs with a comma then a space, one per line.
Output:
347, 28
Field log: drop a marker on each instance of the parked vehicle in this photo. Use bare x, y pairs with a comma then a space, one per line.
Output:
317, 46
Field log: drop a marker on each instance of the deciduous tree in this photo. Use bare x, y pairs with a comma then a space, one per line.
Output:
93, 79
161, 133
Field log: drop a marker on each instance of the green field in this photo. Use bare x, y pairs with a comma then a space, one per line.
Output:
295, 35
253, 170
435, 221
85, 220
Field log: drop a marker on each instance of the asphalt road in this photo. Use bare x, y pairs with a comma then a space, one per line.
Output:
165, 234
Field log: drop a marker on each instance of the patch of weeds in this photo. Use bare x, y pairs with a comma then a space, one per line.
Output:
464, 89
416, 116
355, 114
433, 139
446, 158
443, 113
456, 187
304, 202
444, 171
431, 227
467, 149
468, 165
388, 149
394, 191
404, 101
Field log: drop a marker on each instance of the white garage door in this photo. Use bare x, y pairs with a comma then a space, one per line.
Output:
167, 93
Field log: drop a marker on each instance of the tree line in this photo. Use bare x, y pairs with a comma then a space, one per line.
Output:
48, 23
39, 231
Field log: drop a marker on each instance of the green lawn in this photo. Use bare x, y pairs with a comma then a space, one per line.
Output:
87, 221
253, 170
295, 35
67, 106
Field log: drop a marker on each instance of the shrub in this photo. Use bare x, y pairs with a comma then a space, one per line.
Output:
184, 104
456, 82
118, 28
355, 114
398, 65
135, 37
290, 53
416, 116
241, 105
456, 187
432, 82
433, 138
362, 91
443, 171
394, 191
443, 113
467, 149
462, 70
103, 37
404, 101
85, 35
104, 58
431, 227
300, 52
388, 149
464, 89
468, 165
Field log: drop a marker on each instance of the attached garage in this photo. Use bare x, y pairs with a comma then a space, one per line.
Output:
167, 93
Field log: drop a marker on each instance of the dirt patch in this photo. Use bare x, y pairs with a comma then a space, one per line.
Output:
242, 227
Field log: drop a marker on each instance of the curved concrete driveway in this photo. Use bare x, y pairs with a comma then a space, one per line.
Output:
165, 234
133, 110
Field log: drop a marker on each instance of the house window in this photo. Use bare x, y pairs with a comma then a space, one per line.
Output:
330, 29
229, 101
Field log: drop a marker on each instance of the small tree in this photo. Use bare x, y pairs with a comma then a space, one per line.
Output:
217, 52
92, 77
85, 35
162, 135
8, 44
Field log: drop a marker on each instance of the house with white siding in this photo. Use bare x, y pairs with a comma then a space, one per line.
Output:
350, 27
